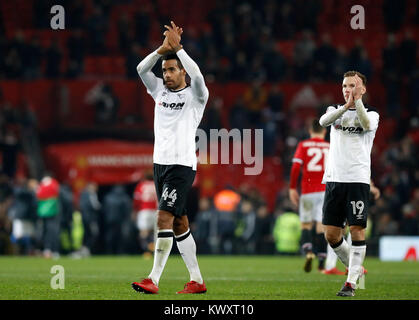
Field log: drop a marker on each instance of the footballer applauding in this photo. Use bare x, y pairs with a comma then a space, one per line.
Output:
348, 175
177, 113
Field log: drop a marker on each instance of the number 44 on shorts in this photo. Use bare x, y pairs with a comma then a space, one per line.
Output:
172, 196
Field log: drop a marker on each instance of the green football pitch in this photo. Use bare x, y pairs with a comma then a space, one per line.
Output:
226, 277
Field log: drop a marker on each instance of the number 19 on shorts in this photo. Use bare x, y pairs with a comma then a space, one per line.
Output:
358, 208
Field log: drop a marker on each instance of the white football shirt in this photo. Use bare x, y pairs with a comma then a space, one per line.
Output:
177, 114
349, 158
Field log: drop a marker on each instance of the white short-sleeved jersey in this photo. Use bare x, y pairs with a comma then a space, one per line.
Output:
349, 158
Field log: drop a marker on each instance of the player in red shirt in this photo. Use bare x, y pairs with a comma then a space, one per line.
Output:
145, 205
310, 156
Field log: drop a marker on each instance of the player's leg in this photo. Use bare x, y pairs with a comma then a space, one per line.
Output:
306, 222
320, 245
163, 245
357, 212
331, 260
334, 219
187, 248
337, 242
164, 242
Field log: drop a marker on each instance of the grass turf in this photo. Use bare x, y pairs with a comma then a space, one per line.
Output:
227, 278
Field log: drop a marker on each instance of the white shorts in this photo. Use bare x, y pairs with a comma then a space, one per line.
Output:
22, 228
146, 219
311, 206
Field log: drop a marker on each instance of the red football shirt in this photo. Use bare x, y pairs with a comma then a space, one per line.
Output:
311, 155
145, 196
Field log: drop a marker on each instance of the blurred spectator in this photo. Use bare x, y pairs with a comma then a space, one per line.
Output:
264, 231
76, 47
286, 20
386, 226
6, 198
145, 213
132, 59
142, 20
75, 10
212, 115
53, 56
125, 31
97, 27
33, 61
116, 210
324, 56
90, 208
226, 202
239, 116
274, 62
106, 103
364, 64
341, 64
287, 232
245, 228
390, 74
303, 57
394, 14
308, 11
23, 214
66, 199
10, 147
409, 225
205, 227
408, 53
254, 100
49, 212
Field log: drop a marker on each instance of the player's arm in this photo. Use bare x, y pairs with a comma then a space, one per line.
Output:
295, 172
374, 190
368, 120
197, 79
331, 115
145, 67
191, 68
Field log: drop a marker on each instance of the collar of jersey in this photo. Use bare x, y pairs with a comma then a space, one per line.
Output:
178, 90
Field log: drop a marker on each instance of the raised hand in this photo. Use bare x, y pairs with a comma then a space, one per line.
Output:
173, 35
357, 91
165, 48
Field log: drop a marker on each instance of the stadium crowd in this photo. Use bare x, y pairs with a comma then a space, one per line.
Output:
237, 43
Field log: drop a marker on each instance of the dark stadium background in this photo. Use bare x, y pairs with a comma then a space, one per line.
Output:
293, 53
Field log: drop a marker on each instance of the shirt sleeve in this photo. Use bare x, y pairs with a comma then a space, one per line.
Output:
197, 79
151, 82
297, 162
331, 115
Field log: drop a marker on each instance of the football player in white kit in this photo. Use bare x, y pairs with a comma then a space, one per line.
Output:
177, 113
347, 175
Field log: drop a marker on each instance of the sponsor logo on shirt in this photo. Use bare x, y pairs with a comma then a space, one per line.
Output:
355, 130
172, 106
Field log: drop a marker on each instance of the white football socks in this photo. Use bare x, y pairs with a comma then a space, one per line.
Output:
356, 259
331, 258
187, 248
161, 253
342, 251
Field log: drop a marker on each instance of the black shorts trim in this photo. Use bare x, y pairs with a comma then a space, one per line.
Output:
346, 202
173, 183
